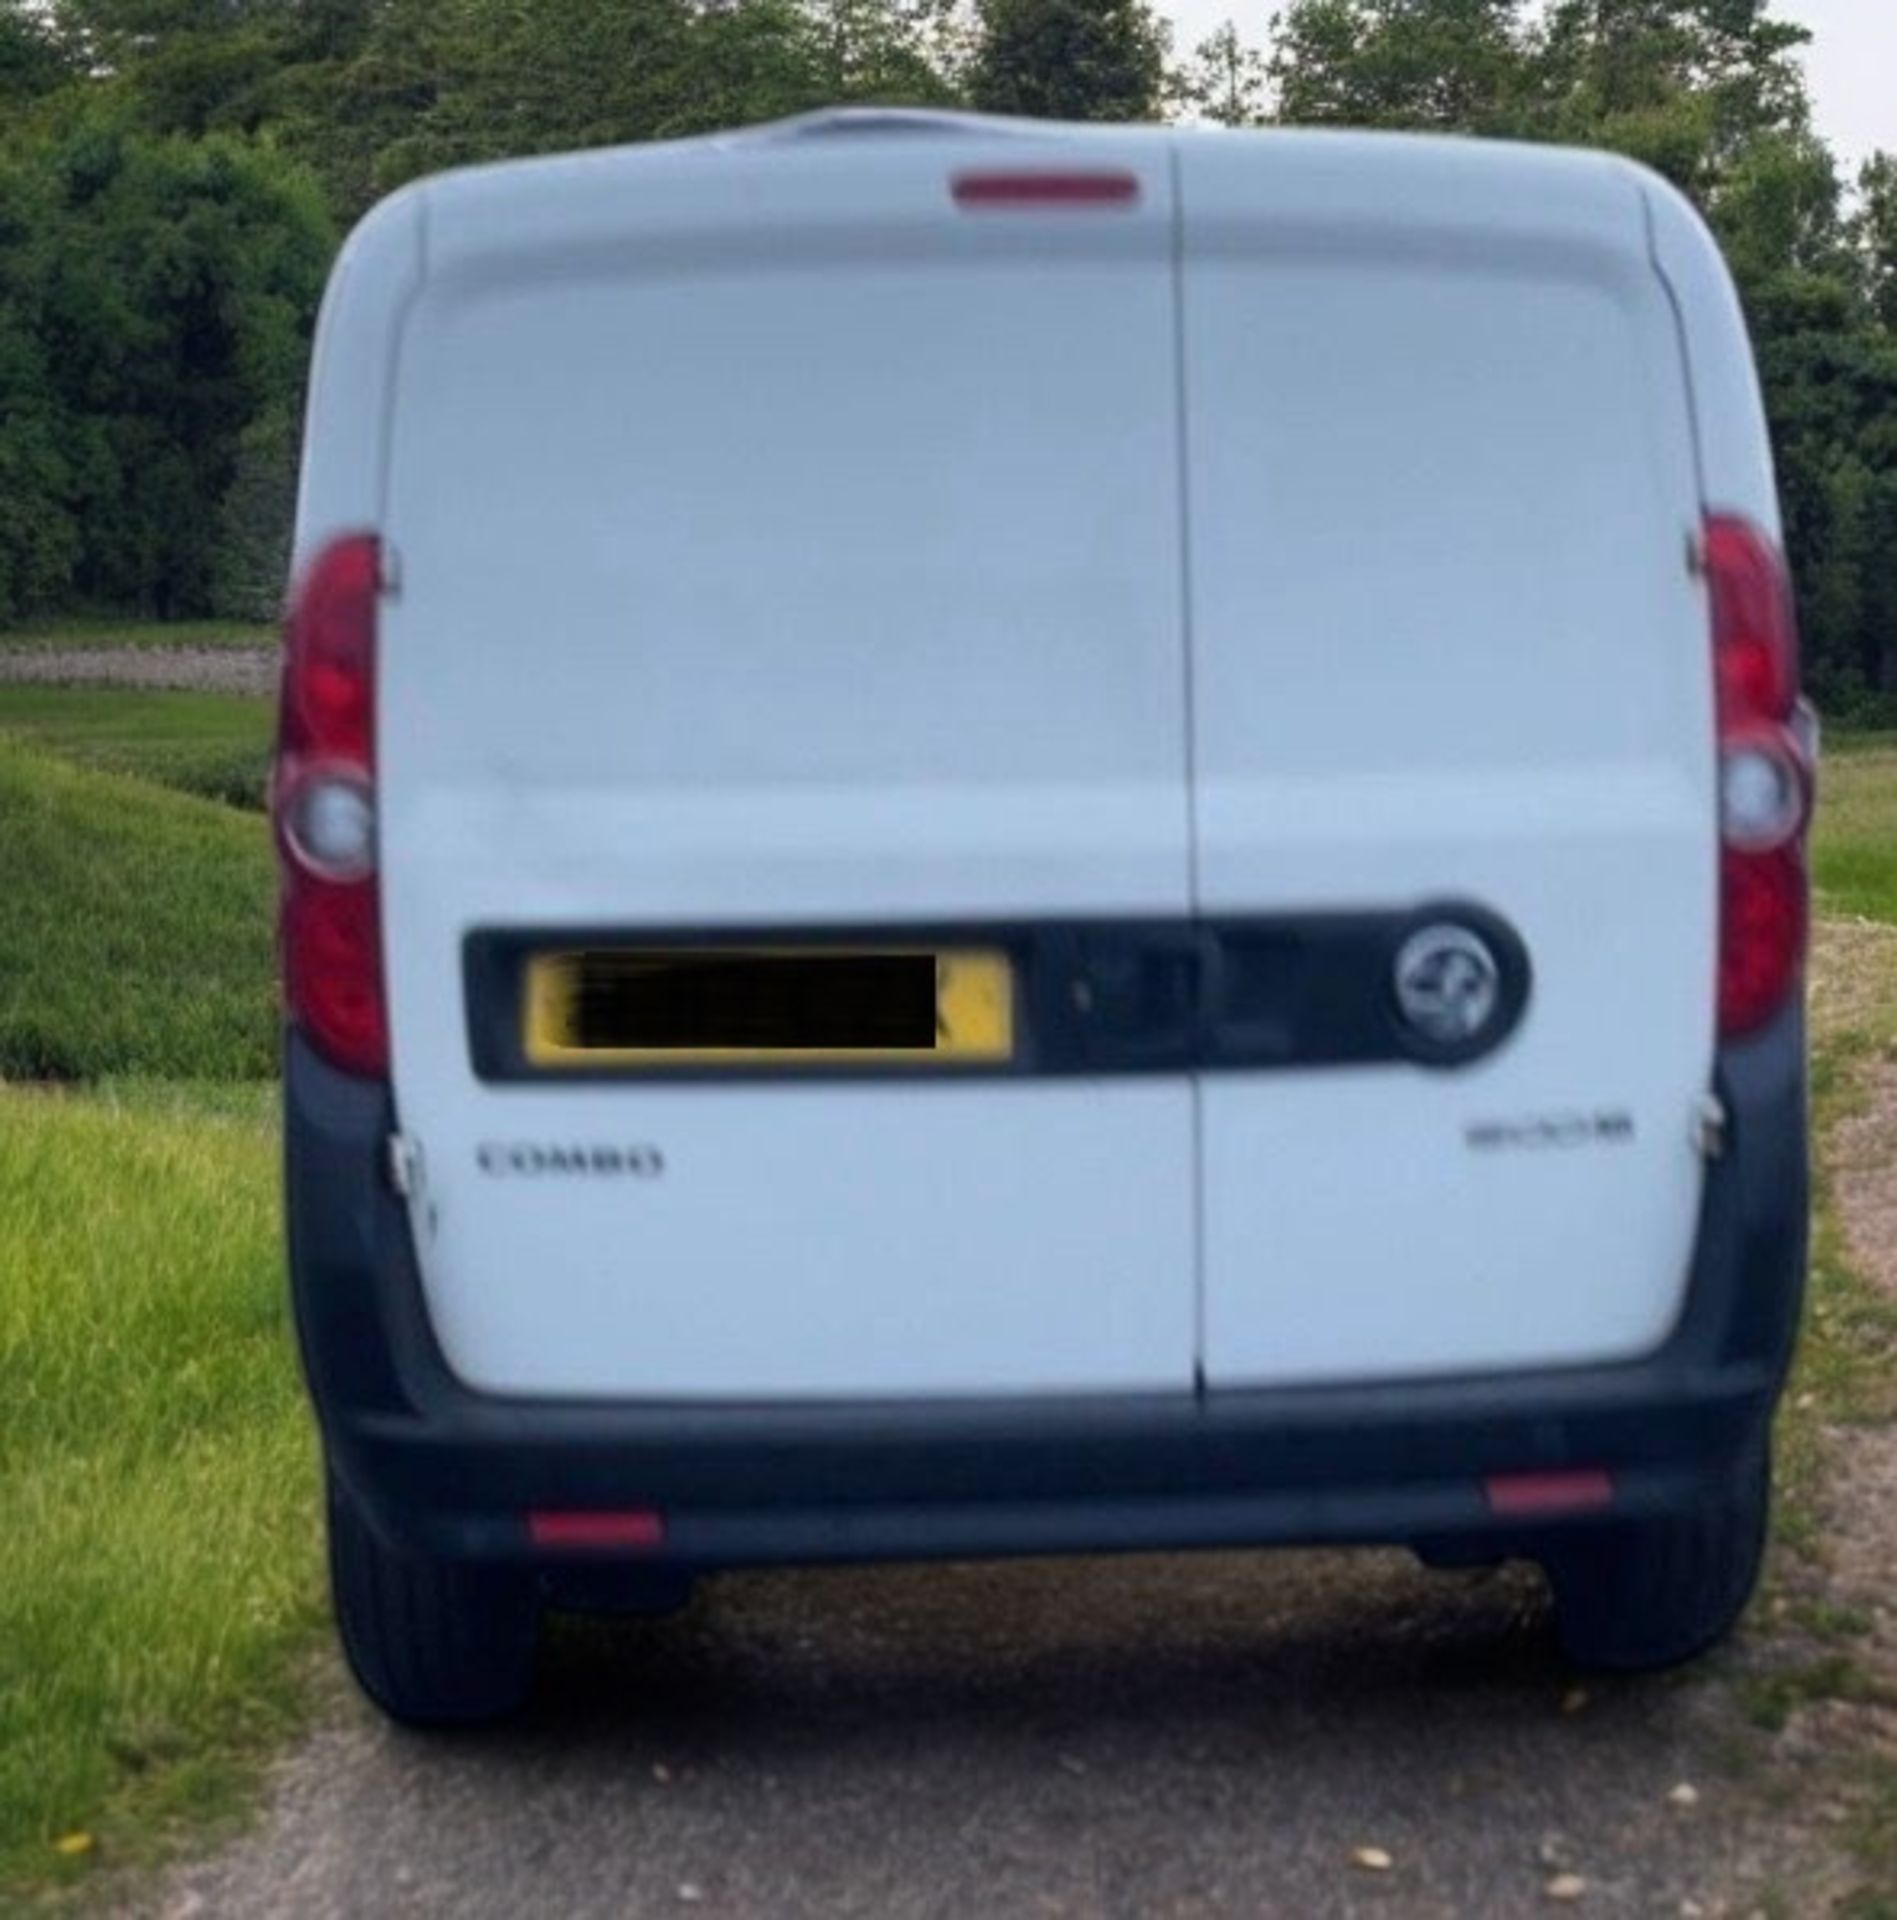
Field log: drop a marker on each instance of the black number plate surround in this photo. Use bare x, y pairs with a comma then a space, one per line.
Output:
1092, 997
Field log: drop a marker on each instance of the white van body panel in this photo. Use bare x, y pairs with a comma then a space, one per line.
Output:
1447, 644
783, 548
344, 471
774, 545
887, 1241
1734, 446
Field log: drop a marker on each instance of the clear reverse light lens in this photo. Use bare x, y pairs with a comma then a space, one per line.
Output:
331, 826
1761, 797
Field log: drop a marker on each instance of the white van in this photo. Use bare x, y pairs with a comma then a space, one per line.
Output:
1003, 838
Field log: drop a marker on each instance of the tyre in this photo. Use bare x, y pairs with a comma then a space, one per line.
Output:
434, 1643
1648, 1594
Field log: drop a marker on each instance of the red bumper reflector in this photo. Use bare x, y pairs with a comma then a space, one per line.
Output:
632, 1527
1096, 188
1576, 1490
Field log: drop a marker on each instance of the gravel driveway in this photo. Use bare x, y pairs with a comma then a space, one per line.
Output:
1177, 1735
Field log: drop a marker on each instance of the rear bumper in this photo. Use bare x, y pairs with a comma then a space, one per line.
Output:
451, 1471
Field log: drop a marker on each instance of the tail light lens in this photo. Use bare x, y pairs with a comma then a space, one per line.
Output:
1755, 637
322, 801
1764, 775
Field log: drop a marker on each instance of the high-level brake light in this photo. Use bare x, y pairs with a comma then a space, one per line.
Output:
1073, 188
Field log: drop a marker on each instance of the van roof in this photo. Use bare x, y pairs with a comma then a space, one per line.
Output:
1325, 180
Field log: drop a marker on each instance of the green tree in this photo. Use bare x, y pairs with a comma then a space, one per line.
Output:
1450, 65
1226, 81
1683, 84
173, 286
1874, 236
33, 59
439, 83
39, 534
1611, 65
886, 51
1069, 59
1778, 210
250, 559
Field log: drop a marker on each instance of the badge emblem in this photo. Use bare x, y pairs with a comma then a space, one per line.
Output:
1448, 984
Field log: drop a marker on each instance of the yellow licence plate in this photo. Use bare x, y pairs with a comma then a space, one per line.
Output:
751, 1007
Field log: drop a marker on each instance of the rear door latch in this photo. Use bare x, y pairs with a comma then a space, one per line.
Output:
405, 1165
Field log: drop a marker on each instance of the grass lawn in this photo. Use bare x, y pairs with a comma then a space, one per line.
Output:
213, 744
154, 635
156, 1473
1855, 847
135, 929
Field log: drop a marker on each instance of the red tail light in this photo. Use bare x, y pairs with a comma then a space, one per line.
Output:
323, 804
1764, 777
1755, 638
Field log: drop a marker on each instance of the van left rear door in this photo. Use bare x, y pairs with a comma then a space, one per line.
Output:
789, 551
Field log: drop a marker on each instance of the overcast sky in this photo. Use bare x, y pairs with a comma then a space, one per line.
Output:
1852, 60
1852, 64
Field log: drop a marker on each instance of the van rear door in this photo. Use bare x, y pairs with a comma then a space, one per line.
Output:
788, 549
1447, 645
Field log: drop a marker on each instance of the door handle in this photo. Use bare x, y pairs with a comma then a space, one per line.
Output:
1138, 998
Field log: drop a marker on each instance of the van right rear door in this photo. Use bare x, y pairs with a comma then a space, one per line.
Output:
1447, 645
